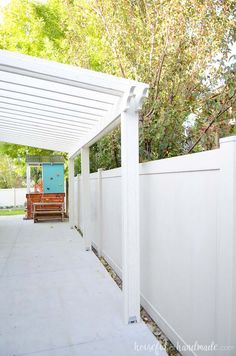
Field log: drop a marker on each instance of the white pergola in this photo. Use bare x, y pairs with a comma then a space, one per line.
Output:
65, 108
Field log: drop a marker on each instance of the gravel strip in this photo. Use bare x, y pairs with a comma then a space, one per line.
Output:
161, 337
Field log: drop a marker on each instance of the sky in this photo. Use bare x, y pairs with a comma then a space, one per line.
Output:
4, 2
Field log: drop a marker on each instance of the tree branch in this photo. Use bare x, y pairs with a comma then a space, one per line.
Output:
157, 80
99, 12
212, 121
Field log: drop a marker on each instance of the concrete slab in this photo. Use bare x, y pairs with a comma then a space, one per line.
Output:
57, 299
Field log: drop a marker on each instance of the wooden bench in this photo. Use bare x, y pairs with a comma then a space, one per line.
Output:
42, 197
48, 211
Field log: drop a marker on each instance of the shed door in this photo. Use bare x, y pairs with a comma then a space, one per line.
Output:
53, 178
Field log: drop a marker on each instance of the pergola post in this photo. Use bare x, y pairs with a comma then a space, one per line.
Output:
130, 215
28, 178
71, 192
85, 170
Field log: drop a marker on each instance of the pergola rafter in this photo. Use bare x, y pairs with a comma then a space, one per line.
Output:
64, 108
55, 88
42, 118
90, 115
12, 136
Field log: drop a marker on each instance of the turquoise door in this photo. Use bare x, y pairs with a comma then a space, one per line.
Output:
53, 178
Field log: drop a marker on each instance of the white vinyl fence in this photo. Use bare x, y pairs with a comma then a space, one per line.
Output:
12, 197
188, 243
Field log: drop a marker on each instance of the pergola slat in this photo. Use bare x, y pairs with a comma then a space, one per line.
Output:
64, 98
7, 135
50, 119
35, 132
56, 88
9, 102
61, 73
50, 102
73, 109
42, 127
54, 123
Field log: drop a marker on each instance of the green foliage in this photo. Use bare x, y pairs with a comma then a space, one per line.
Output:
13, 166
10, 175
179, 47
32, 28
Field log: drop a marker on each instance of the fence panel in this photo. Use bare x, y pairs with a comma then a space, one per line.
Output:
12, 197
186, 204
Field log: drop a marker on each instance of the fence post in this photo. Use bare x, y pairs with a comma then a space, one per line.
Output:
85, 177
226, 248
14, 197
67, 197
80, 199
78, 202
99, 212
71, 192
28, 171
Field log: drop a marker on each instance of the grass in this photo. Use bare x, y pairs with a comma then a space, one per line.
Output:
7, 212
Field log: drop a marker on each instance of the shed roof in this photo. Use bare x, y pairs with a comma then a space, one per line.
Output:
56, 106
36, 159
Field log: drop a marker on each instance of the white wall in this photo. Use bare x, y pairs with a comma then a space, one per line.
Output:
12, 197
183, 252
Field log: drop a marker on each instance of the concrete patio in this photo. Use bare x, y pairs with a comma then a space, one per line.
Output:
57, 299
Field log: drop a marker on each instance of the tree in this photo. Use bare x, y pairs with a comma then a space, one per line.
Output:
181, 48
13, 158
10, 175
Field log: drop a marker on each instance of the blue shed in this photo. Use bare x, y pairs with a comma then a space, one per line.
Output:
53, 178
